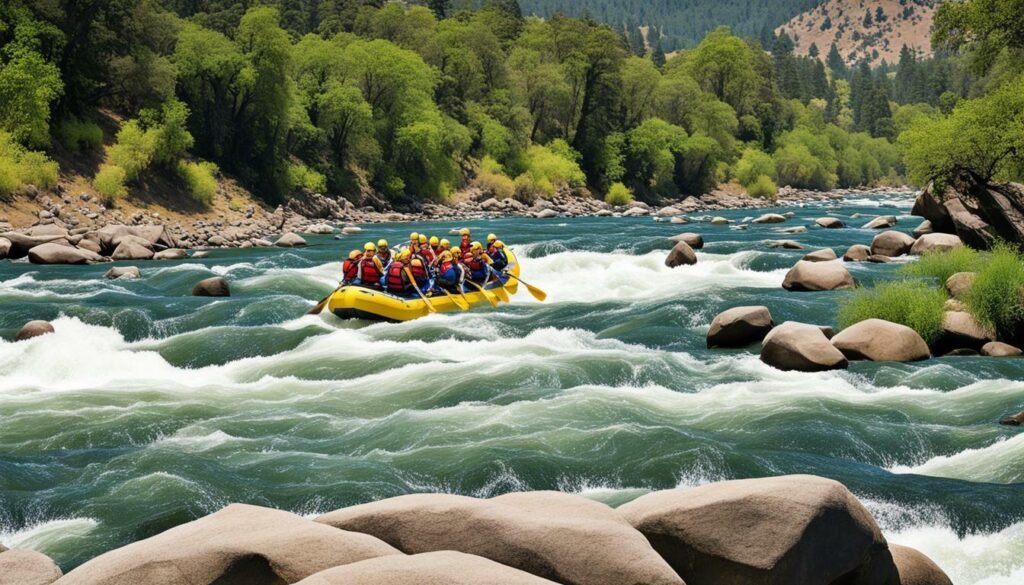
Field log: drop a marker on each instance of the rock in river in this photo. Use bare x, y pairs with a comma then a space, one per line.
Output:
770, 218
122, 272
935, 243
695, 241
880, 223
739, 327
881, 341
1000, 349
27, 567
960, 330
824, 255
801, 347
681, 254
829, 223
914, 568
53, 253
290, 240
857, 253
818, 276
212, 287
34, 329
442, 567
891, 244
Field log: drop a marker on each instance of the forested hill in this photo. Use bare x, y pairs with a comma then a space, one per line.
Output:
681, 23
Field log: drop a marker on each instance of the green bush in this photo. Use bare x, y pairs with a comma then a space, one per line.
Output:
763, 187
301, 176
134, 149
913, 303
202, 185
19, 166
546, 170
618, 194
9, 180
492, 179
80, 134
752, 166
942, 265
995, 297
109, 182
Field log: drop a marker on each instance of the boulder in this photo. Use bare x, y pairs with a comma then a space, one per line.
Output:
924, 228
879, 259
959, 284
21, 244
798, 229
801, 347
49, 229
122, 272
979, 212
960, 330
132, 248
258, 242
90, 245
818, 276
351, 230
826, 255
201, 254
935, 243
857, 253
914, 568
171, 254
695, 241
551, 213
785, 244
1000, 349
54, 253
770, 218
565, 538
27, 567
1014, 420
33, 329
891, 244
829, 223
881, 341
681, 254
320, 229
440, 568
786, 530
880, 223
109, 237
5, 248
675, 219
212, 287
740, 327
239, 544
290, 240
717, 220
669, 211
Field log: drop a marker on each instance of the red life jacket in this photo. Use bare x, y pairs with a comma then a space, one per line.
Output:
368, 272
395, 281
465, 245
428, 253
475, 263
418, 269
349, 269
446, 265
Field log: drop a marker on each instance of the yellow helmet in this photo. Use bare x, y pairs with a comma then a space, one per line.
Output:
445, 243
434, 241
354, 254
382, 243
413, 237
423, 238
464, 232
404, 254
476, 246
369, 247
491, 238
499, 244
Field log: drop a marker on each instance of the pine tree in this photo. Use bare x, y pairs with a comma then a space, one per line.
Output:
835, 62
785, 66
658, 54
636, 42
867, 18
812, 51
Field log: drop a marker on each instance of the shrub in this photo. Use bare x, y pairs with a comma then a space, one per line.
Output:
109, 182
134, 149
913, 303
236, 204
301, 176
618, 194
763, 187
80, 134
202, 185
546, 170
9, 180
995, 297
490, 178
752, 166
942, 265
20, 167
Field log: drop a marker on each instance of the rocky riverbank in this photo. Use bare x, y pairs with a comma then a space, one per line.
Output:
78, 229
781, 530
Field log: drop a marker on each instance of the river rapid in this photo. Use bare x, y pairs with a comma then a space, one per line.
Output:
149, 407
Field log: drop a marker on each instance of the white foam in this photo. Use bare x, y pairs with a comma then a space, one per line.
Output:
992, 463
49, 534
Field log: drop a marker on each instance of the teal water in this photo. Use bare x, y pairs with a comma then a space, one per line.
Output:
149, 408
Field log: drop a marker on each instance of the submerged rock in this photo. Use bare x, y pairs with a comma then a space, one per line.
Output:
27, 567
891, 244
881, 341
825, 255
122, 272
785, 244
914, 568
880, 223
801, 347
790, 530
212, 287
549, 534
681, 254
441, 568
740, 327
829, 223
1015, 420
818, 276
34, 329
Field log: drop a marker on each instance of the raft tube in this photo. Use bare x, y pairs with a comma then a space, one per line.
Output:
358, 302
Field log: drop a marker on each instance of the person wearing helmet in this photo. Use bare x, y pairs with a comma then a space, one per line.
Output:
425, 250
477, 262
418, 268
449, 271
445, 244
350, 267
383, 252
465, 243
497, 254
370, 269
435, 247
414, 240
397, 279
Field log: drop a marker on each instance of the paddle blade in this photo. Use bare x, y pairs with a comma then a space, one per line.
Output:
536, 292
501, 293
319, 306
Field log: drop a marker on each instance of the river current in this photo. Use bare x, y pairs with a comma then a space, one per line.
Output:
149, 407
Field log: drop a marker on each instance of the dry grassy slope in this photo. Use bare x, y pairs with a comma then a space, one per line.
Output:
857, 42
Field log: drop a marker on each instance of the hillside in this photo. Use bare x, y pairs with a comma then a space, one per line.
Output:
872, 30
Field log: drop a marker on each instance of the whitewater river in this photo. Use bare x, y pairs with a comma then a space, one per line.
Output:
149, 407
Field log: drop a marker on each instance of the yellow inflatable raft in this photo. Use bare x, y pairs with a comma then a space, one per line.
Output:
357, 302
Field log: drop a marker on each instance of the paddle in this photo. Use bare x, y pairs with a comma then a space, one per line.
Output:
323, 303
536, 292
412, 281
458, 302
499, 291
487, 295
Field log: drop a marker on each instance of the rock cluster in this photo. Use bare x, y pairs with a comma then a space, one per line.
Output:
789, 529
980, 213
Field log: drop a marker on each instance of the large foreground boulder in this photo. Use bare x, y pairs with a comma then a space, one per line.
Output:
930, 243
818, 276
54, 253
891, 244
216, 286
109, 237
914, 568
133, 248
785, 530
557, 536
27, 567
34, 329
695, 241
960, 330
440, 568
801, 347
740, 327
240, 544
5, 248
881, 341
681, 255
20, 244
